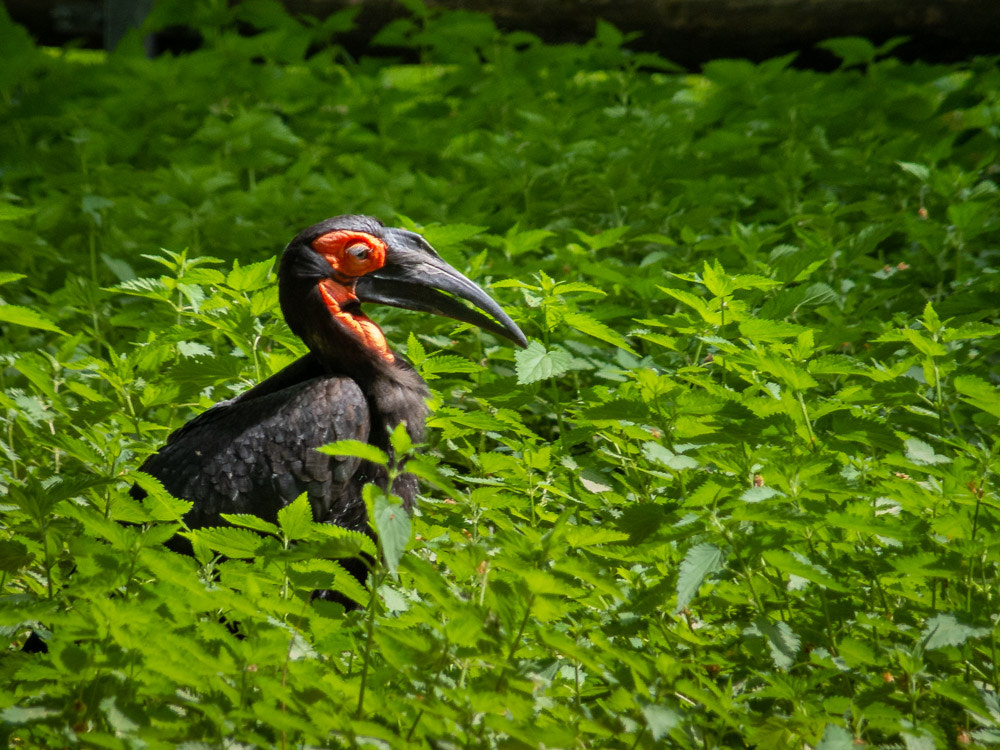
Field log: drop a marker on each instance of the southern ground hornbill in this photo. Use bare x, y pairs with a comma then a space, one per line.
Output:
256, 453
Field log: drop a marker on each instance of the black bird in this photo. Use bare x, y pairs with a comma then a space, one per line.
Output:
256, 453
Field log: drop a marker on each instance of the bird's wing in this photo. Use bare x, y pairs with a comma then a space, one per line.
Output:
256, 455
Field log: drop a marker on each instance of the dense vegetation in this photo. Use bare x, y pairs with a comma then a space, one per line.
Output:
740, 490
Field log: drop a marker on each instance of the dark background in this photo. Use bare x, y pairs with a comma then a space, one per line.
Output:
688, 32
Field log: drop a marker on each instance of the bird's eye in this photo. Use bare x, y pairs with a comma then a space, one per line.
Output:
359, 251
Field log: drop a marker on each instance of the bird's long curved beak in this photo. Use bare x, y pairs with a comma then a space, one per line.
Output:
415, 277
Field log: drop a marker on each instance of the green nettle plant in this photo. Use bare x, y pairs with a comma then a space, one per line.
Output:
740, 490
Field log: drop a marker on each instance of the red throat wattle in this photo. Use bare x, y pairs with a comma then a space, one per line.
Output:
370, 335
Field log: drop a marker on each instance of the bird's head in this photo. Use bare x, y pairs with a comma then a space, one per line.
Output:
329, 269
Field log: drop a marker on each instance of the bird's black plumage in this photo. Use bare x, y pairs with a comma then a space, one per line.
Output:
257, 452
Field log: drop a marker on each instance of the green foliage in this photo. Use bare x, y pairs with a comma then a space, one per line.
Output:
741, 489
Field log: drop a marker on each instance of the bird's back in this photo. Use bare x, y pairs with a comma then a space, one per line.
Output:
257, 452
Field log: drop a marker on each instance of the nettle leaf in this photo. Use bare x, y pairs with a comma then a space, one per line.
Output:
160, 504
13, 556
295, 519
759, 494
757, 329
945, 630
700, 561
781, 640
249, 521
415, 350
921, 453
392, 523
536, 363
591, 327
447, 363
981, 394
695, 302
227, 540
355, 449
660, 720
658, 454
836, 738
796, 565
25, 316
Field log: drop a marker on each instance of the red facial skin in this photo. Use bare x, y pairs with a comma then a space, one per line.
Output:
350, 255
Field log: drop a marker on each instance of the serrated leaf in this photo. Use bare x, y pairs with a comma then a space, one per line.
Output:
661, 455
415, 350
836, 738
758, 329
250, 277
392, 523
355, 449
569, 287
790, 564
700, 561
227, 540
660, 720
193, 349
945, 630
759, 494
963, 694
981, 394
13, 556
295, 519
588, 536
597, 329
923, 344
921, 453
160, 504
695, 302
450, 234
25, 316
536, 363
447, 363
782, 641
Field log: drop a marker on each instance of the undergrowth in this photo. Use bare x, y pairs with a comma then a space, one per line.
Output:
741, 489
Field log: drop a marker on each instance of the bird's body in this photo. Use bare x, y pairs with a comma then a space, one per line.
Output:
256, 453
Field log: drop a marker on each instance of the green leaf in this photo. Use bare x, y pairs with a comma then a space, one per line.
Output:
781, 640
758, 329
295, 519
836, 738
25, 316
946, 630
657, 453
392, 523
660, 720
700, 561
227, 540
447, 363
536, 363
591, 327
355, 449
251, 277
981, 394
852, 50
920, 171
450, 234
7, 277
921, 453
13, 556
794, 565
